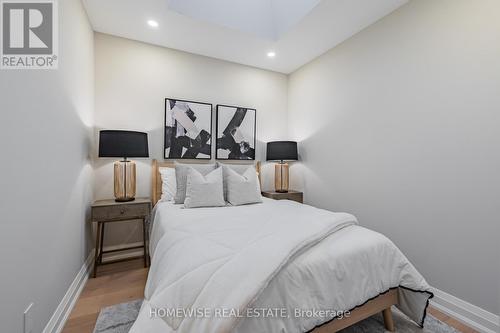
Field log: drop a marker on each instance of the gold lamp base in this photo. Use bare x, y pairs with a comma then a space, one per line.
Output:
281, 176
125, 176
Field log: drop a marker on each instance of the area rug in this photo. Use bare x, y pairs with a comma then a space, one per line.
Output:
119, 319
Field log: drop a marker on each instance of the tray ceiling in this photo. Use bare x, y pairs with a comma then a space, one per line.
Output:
241, 31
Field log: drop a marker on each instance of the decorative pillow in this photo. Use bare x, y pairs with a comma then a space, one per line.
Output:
181, 177
204, 191
242, 189
168, 184
239, 169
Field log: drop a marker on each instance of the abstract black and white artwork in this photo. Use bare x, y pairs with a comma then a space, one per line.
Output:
188, 129
235, 133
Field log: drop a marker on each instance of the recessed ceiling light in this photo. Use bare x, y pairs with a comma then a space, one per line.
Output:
271, 54
153, 24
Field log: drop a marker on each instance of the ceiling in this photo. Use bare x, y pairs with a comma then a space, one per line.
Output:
241, 31
268, 19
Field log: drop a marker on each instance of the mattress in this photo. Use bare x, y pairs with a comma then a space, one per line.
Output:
339, 272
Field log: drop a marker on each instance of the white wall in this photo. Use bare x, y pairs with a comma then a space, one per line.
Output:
132, 81
399, 125
46, 121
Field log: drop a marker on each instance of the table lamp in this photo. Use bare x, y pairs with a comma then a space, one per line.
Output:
281, 151
123, 144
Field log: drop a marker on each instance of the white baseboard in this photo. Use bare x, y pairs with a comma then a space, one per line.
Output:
58, 319
469, 314
118, 256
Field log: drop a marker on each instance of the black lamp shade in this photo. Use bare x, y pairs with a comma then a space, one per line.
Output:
282, 151
114, 143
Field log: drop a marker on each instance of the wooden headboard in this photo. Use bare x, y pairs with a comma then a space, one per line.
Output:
156, 177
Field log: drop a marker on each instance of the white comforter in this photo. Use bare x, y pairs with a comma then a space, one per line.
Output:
212, 265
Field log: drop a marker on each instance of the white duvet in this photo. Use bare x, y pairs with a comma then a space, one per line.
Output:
265, 267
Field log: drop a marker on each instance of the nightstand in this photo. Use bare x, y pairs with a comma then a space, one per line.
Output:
109, 211
290, 195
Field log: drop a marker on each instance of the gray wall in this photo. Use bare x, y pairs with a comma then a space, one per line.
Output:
400, 126
46, 120
132, 81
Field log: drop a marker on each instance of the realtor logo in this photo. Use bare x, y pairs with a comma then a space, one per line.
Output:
29, 34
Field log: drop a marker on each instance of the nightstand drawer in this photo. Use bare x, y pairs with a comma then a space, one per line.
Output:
290, 195
118, 212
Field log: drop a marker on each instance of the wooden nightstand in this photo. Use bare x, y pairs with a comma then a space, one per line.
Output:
290, 195
108, 211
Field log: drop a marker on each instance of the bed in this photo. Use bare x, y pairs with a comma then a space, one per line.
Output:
278, 266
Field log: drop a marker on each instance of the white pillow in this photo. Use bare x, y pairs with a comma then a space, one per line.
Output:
238, 168
168, 184
242, 189
181, 171
204, 191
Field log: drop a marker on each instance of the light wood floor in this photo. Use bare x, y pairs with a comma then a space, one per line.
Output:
124, 282
115, 284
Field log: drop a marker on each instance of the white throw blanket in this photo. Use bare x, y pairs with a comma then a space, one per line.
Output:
224, 258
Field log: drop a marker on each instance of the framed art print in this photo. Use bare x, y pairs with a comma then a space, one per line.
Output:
188, 129
235, 133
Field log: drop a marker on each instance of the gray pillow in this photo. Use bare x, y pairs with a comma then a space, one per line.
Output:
204, 191
238, 168
242, 189
181, 171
